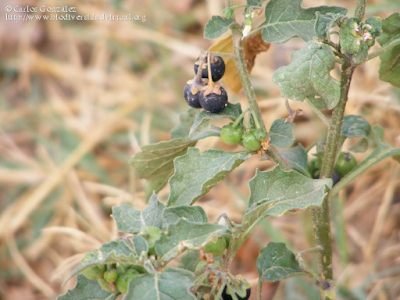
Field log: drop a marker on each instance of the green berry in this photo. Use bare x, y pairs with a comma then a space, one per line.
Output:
93, 273
122, 282
216, 246
250, 141
231, 135
105, 285
111, 275
345, 163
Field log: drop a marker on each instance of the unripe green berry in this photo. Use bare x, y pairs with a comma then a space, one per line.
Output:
250, 142
110, 275
230, 135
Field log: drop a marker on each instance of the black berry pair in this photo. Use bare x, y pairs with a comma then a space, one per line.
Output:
203, 92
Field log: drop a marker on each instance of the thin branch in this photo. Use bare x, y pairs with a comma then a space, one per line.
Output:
384, 49
360, 9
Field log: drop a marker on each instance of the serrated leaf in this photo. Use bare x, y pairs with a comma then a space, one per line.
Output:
356, 126
117, 251
308, 75
130, 220
171, 284
285, 190
231, 111
286, 19
216, 27
86, 289
281, 134
277, 192
297, 158
196, 173
276, 262
324, 22
194, 214
185, 235
389, 69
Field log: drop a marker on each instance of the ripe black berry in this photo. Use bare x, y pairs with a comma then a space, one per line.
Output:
191, 93
217, 68
225, 296
335, 178
214, 101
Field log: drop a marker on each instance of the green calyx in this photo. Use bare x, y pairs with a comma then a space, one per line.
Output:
151, 234
123, 280
216, 247
231, 135
345, 163
250, 140
110, 275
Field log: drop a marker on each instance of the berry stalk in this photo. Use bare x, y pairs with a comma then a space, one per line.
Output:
272, 152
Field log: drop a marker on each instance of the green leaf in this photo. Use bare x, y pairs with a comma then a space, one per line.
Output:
170, 284
117, 251
285, 190
297, 158
286, 19
155, 162
185, 235
308, 75
254, 2
216, 27
276, 262
281, 134
185, 130
194, 214
324, 22
389, 70
86, 289
189, 260
356, 126
277, 192
130, 220
196, 173
231, 111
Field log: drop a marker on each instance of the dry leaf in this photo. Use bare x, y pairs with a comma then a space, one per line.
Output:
251, 47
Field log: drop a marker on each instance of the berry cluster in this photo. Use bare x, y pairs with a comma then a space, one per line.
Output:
204, 91
234, 133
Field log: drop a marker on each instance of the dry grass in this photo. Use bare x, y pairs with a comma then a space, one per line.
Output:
78, 99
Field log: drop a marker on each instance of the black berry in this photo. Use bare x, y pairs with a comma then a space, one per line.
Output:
214, 101
217, 68
335, 178
191, 93
225, 296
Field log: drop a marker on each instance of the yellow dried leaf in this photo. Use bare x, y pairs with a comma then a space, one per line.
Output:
251, 47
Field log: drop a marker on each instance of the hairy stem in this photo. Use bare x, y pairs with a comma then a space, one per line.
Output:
321, 215
360, 9
272, 152
385, 48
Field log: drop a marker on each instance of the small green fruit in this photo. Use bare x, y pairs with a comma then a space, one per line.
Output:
111, 275
345, 163
105, 285
216, 247
250, 141
231, 135
93, 273
122, 282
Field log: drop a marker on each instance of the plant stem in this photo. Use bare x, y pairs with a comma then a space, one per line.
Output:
360, 9
321, 215
272, 153
385, 48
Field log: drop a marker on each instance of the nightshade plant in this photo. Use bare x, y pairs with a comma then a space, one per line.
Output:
136, 265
